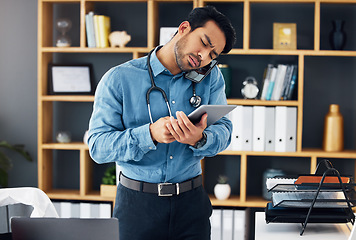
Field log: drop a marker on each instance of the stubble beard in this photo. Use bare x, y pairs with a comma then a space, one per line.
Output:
179, 55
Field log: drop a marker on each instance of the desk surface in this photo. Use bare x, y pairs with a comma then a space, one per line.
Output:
291, 231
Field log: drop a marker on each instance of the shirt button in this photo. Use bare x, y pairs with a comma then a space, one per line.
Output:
173, 102
170, 157
149, 147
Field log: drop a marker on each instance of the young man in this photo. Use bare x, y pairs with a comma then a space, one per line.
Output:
140, 122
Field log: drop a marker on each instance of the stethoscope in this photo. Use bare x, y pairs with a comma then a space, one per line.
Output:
195, 100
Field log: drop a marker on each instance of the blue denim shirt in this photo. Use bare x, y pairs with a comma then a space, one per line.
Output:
119, 125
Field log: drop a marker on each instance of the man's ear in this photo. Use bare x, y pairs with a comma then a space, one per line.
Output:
184, 28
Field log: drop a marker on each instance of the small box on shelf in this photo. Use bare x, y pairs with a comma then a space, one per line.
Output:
107, 190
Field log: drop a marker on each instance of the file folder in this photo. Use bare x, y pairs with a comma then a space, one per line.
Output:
270, 129
228, 216
259, 129
285, 129
237, 127
247, 125
216, 224
241, 139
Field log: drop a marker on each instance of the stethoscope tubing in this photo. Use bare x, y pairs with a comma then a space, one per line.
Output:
155, 88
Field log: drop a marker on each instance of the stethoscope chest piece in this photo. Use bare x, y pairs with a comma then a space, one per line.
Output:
195, 101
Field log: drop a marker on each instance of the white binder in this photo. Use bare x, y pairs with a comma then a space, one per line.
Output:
237, 122
228, 216
66, 210
270, 129
229, 116
215, 222
247, 123
240, 224
286, 128
258, 129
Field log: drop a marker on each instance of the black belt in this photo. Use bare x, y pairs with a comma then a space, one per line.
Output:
162, 189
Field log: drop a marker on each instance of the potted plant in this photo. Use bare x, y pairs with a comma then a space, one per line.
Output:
108, 186
222, 189
6, 161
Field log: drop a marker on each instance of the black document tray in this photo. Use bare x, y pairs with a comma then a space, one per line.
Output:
307, 211
298, 215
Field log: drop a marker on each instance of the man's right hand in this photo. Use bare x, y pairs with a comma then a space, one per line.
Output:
159, 131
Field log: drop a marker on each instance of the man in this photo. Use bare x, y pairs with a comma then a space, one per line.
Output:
160, 195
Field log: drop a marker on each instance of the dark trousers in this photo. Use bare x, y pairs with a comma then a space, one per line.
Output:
145, 216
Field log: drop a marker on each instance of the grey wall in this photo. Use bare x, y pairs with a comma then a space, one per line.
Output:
18, 85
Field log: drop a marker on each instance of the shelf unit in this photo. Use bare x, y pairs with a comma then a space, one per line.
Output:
46, 53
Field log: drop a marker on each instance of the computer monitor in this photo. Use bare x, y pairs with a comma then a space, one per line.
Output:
64, 228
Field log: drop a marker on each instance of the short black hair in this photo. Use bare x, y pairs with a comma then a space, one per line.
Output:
199, 16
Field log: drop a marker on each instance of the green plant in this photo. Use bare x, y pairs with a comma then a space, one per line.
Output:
6, 162
109, 177
222, 179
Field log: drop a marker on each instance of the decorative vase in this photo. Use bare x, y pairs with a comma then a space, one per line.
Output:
222, 191
337, 35
333, 140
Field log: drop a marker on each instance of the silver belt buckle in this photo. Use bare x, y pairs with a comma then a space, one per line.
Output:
160, 187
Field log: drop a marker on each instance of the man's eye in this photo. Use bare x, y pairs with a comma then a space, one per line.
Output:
203, 43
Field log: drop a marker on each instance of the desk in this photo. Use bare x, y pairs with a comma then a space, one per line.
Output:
291, 231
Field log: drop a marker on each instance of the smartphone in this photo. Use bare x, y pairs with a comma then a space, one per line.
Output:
199, 74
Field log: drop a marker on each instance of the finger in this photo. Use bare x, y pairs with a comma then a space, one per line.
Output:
181, 122
176, 127
204, 120
172, 131
190, 126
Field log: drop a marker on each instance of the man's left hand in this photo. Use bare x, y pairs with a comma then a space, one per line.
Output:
184, 131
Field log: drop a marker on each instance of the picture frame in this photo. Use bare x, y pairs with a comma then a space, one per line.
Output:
70, 79
285, 36
166, 34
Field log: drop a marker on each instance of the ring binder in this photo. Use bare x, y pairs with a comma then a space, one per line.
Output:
328, 201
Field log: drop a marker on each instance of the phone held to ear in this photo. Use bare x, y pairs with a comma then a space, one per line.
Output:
198, 75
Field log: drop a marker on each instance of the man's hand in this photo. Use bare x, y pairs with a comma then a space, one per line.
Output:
184, 131
159, 131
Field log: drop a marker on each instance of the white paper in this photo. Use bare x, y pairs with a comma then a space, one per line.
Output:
42, 205
71, 79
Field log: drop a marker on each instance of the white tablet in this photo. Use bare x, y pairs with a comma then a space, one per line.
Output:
215, 112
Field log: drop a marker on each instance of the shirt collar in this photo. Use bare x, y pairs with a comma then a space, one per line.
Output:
156, 65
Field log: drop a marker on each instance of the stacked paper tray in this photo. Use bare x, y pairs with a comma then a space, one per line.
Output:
302, 195
291, 202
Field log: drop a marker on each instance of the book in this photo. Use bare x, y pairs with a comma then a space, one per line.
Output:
292, 83
104, 29
267, 80
280, 76
89, 25
271, 83
96, 30
286, 82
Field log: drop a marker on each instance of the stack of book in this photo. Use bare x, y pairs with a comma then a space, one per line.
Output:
98, 29
279, 82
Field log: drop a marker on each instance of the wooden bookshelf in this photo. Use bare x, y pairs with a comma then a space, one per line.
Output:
47, 52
